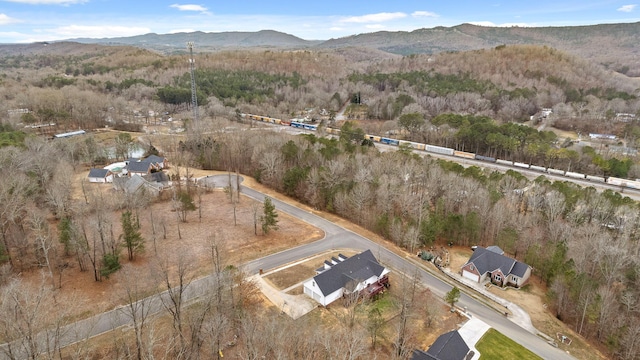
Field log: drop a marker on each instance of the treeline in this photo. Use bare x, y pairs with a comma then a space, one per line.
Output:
508, 83
234, 86
567, 233
43, 226
511, 141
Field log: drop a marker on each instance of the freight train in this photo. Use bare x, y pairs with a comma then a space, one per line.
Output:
622, 183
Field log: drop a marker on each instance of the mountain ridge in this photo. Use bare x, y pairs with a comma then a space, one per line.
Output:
611, 45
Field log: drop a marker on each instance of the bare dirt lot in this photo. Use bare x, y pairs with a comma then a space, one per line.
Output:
240, 245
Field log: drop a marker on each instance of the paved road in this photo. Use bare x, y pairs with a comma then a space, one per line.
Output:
335, 237
338, 237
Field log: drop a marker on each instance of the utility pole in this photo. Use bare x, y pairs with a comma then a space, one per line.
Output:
194, 97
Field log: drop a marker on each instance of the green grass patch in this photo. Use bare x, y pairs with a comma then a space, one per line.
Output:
384, 303
495, 345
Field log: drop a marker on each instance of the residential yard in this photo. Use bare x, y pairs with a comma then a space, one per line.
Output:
423, 331
292, 275
429, 315
495, 346
240, 244
532, 298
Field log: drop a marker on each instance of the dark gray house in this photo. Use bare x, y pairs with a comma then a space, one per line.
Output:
500, 269
449, 346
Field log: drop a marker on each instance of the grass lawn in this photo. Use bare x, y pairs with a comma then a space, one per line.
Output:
494, 345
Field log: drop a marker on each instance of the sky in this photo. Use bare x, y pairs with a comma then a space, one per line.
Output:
25, 21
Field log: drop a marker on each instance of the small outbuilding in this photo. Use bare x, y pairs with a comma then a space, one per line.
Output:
100, 176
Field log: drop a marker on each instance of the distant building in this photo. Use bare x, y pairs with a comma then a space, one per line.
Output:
100, 176
12, 112
602, 137
625, 117
69, 134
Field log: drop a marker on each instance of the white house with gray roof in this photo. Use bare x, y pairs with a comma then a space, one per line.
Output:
100, 175
344, 275
501, 270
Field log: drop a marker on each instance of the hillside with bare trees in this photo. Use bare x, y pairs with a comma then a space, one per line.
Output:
582, 244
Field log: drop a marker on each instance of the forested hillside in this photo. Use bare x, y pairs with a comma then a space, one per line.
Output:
582, 244
610, 45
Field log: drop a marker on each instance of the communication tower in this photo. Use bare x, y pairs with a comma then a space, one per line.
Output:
194, 97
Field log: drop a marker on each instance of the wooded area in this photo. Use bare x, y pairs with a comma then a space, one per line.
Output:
581, 243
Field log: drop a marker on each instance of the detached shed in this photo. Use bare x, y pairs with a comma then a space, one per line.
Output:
100, 176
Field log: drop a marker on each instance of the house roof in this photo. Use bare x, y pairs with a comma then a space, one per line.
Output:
98, 173
488, 261
133, 184
141, 166
449, 346
154, 159
358, 267
519, 269
496, 249
158, 176
421, 355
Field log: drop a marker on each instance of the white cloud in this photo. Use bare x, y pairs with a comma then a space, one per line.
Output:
77, 31
627, 8
374, 18
375, 26
424, 14
190, 7
6, 20
336, 28
49, 2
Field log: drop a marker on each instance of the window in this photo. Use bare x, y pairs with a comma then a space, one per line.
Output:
498, 277
471, 267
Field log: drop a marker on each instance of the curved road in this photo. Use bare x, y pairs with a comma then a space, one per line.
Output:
335, 237
338, 237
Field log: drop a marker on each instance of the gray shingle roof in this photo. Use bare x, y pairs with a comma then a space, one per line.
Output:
133, 184
154, 159
421, 355
158, 176
495, 249
519, 269
139, 167
449, 346
358, 267
98, 173
489, 261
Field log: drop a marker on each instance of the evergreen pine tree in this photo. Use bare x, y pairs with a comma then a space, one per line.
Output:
270, 217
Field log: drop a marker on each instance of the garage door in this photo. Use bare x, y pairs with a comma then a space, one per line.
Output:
470, 276
314, 295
